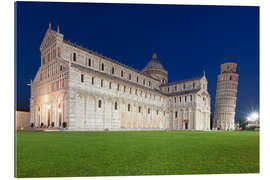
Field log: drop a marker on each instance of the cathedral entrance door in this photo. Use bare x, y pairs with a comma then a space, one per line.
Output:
186, 124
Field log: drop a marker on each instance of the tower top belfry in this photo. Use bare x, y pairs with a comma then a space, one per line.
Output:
228, 67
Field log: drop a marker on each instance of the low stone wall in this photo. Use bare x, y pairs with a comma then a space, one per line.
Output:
22, 120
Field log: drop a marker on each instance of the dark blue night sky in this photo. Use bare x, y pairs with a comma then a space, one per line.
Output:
187, 40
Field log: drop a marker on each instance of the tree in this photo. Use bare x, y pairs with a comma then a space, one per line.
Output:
243, 123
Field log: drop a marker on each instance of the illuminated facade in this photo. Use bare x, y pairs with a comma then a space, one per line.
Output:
78, 89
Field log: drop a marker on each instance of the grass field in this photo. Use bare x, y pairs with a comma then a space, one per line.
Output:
54, 154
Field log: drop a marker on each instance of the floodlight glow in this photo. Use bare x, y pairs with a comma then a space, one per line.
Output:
254, 115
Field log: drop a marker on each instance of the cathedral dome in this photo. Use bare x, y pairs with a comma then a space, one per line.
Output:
155, 69
154, 64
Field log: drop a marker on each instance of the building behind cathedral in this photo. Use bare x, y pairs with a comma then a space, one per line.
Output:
78, 89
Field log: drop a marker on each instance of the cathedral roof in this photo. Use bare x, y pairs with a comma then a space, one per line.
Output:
154, 64
109, 59
184, 92
181, 81
82, 68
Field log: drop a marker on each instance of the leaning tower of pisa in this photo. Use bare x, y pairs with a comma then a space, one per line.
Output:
226, 95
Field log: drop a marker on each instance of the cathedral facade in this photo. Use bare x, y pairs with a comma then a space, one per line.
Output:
78, 89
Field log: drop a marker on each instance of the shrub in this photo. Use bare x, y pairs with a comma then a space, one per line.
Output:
52, 124
251, 128
64, 124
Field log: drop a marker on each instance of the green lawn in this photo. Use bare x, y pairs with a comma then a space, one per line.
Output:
52, 154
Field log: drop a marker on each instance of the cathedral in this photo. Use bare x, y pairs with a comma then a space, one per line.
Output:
81, 90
